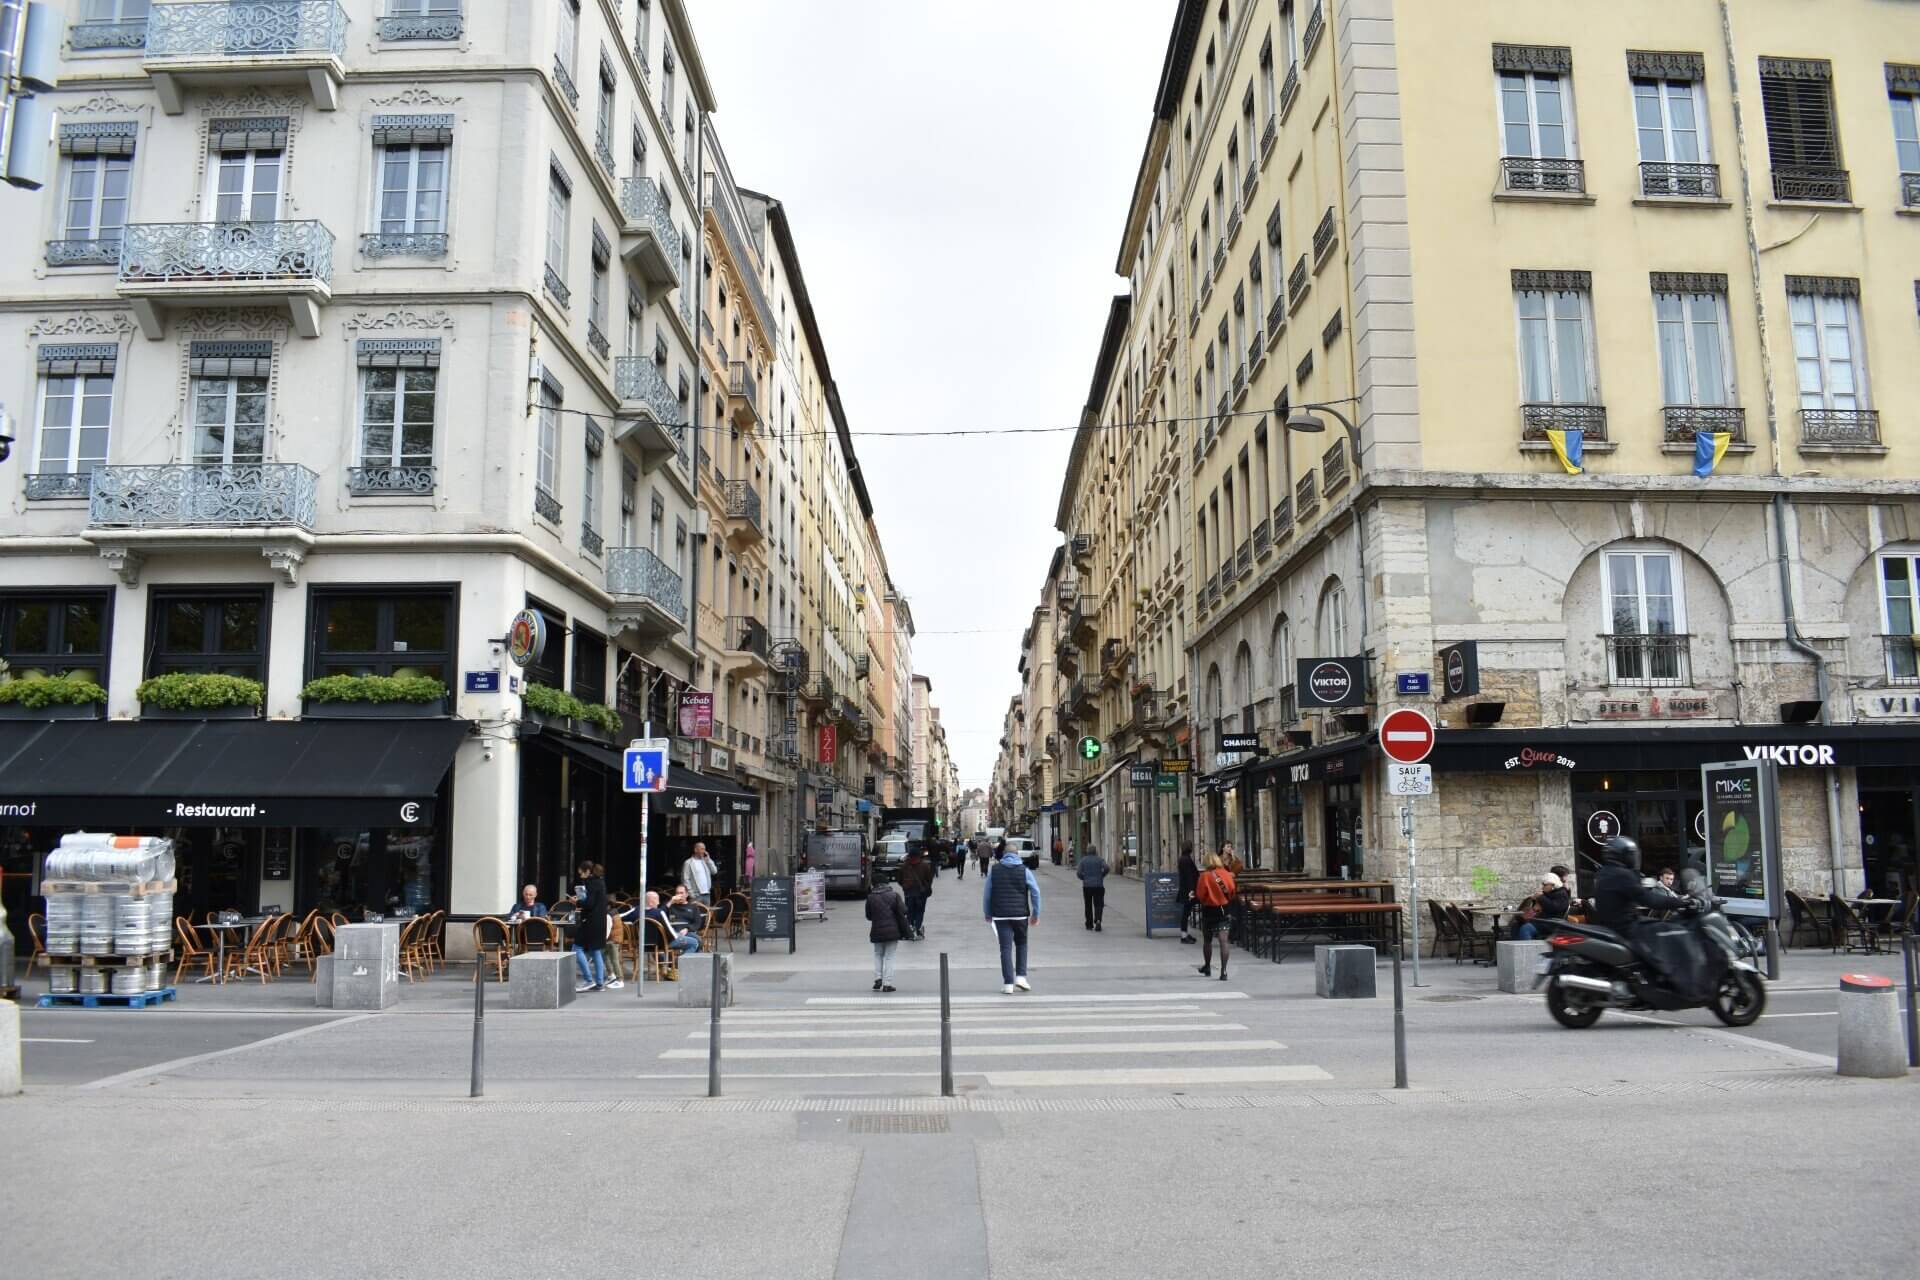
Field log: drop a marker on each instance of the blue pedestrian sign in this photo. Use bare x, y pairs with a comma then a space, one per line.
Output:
646, 765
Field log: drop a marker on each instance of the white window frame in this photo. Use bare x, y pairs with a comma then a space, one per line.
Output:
1333, 620
1902, 663
567, 45
396, 456
1287, 54
1906, 110
599, 285
411, 223
546, 471
1820, 326
1553, 345
115, 10
1664, 92
589, 488
1690, 349
101, 167
72, 463
423, 8
230, 423
254, 165
1648, 658
1532, 81
559, 214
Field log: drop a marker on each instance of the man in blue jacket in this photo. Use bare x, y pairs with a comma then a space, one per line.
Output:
1010, 899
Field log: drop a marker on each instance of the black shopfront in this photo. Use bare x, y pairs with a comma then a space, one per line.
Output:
1328, 779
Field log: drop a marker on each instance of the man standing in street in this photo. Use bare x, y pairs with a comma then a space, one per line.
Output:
1010, 899
1093, 887
697, 873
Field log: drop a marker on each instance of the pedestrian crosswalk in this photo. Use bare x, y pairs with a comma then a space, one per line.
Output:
1089, 1040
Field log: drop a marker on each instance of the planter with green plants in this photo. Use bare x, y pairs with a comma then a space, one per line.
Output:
566, 712
51, 698
189, 695
373, 698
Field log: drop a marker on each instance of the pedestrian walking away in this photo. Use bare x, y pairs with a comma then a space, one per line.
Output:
1093, 887
1010, 900
590, 934
916, 881
888, 912
1214, 890
1189, 879
697, 874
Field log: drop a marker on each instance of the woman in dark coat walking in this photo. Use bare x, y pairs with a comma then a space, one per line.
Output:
590, 934
887, 909
1189, 881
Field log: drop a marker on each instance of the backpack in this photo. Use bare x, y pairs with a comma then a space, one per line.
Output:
1215, 889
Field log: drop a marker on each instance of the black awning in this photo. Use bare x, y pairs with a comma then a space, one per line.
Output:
690, 791
224, 773
1330, 761
1667, 747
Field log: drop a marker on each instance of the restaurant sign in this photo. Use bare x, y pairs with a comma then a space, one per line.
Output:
696, 713
1332, 682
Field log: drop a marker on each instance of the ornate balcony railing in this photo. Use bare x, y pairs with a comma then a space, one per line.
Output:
1277, 315
1685, 180
83, 253
87, 37
421, 26
563, 81
403, 244
1233, 221
47, 486
637, 379
1303, 370
1542, 173
590, 540
598, 341
1809, 182
1538, 419
212, 252
1243, 559
747, 634
1682, 421
1149, 708
386, 478
1315, 28
246, 29
210, 495
1248, 183
603, 152
1334, 466
742, 502
556, 286
1282, 517
1219, 258
1269, 135
1239, 378
1910, 190
545, 505
1840, 426
1298, 281
641, 202
1220, 411
1647, 659
1306, 496
1256, 347
1289, 87
1324, 235
741, 383
862, 666
1903, 659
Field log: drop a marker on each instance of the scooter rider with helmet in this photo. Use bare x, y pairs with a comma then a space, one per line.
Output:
1621, 894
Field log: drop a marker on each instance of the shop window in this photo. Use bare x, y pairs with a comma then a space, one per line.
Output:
55, 635
550, 668
589, 665
384, 634
224, 635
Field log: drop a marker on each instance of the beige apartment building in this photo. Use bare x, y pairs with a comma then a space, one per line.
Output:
1679, 239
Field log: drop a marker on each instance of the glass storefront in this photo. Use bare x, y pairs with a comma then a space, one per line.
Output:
1658, 810
1889, 831
1346, 841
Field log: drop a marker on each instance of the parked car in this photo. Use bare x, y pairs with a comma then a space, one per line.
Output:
888, 857
1024, 846
842, 855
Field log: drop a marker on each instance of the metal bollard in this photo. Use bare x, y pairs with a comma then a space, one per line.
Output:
478, 1085
1399, 1026
946, 1033
713, 1034
1912, 948
1773, 950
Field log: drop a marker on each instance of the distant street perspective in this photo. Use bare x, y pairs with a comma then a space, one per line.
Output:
1116, 638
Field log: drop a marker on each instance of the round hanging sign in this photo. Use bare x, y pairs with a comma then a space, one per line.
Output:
526, 638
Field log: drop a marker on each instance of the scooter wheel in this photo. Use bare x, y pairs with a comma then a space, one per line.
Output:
1740, 1000
1577, 1013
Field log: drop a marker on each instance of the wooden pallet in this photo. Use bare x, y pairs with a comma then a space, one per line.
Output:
96, 999
132, 888
109, 962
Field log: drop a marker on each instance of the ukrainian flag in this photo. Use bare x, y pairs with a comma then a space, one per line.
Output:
1708, 448
1570, 448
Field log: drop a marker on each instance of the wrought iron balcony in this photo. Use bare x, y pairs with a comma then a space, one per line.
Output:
743, 395
1315, 28
1067, 593
242, 41
1282, 517
1233, 222
1544, 174
1903, 659
603, 152
386, 478
1262, 537
1066, 655
1811, 182
1333, 466
193, 263
746, 634
1910, 190
1193, 316
647, 595
550, 278
648, 239
403, 244
1299, 280
862, 666
648, 413
49, 486
1685, 181
545, 505
1839, 427
1647, 660
1256, 348
203, 495
1149, 708
83, 253
742, 508
1306, 496
1080, 548
421, 26
1538, 419
90, 37
1269, 135
1324, 237
1080, 696
1243, 558
1682, 421
1248, 183
1277, 315
1304, 370
1289, 87
598, 341
1239, 377
563, 81
1286, 706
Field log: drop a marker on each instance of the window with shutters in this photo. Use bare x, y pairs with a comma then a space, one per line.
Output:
399, 394
1539, 150
1830, 362
96, 183
559, 213
227, 391
247, 173
1903, 95
1803, 140
75, 416
1670, 123
546, 475
411, 155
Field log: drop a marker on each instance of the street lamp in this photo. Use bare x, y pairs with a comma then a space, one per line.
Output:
1304, 419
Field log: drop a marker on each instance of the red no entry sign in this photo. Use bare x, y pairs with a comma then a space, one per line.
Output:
1406, 735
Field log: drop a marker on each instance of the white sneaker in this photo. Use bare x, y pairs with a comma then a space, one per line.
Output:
581, 988
614, 984
1007, 990
1023, 984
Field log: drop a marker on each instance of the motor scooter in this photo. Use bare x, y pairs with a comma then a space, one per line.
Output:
1589, 969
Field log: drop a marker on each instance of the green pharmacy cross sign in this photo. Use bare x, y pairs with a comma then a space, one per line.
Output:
1090, 748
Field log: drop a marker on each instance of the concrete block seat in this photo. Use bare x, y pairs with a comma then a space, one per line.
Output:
540, 980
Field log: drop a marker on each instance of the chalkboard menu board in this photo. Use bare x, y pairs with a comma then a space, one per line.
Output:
772, 914
1164, 907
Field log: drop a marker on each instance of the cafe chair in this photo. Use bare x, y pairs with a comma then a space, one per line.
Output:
1847, 926
539, 934
256, 955
721, 920
1807, 918
1443, 931
663, 962
37, 930
1471, 942
339, 918
742, 912
320, 943
492, 941
300, 947
193, 952
413, 959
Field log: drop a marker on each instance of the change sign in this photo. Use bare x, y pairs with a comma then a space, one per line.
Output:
1742, 811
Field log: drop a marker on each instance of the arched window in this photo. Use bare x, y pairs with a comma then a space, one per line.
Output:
1213, 704
1333, 620
1243, 685
1282, 650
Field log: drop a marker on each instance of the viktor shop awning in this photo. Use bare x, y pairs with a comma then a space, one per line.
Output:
119, 774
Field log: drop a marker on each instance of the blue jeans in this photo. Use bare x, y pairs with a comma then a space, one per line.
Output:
598, 973
687, 943
1525, 931
1013, 949
917, 910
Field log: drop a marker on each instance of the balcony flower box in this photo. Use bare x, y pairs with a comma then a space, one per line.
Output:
51, 698
560, 710
373, 698
200, 696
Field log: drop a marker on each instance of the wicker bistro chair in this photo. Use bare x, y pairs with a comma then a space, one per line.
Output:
193, 952
37, 930
414, 958
663, 962
256, 955
1806, 917
320, 943
1847, 926
742, 913
1444, 933
1471, 943
493, 940
721, 921
539, 934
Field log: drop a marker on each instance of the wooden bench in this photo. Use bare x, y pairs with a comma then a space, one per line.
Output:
1285, 924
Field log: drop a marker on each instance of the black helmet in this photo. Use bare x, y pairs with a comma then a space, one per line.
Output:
1621, 852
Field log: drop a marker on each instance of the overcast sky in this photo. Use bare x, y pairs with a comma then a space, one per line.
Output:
957, 178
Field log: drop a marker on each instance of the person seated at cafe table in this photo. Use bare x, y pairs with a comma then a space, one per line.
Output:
528, 906
682, 940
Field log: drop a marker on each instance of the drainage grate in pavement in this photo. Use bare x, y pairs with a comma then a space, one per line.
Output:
908, 1123
767, 977
1449, 999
